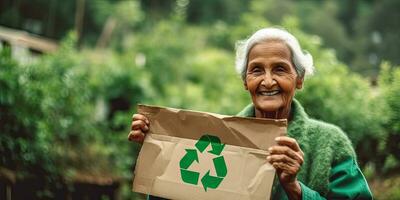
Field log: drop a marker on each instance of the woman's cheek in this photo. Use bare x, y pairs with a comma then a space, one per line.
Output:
252, 82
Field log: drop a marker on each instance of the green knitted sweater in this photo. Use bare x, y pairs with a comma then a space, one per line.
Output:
323, 144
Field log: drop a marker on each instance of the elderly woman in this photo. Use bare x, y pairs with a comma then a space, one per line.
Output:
316, 160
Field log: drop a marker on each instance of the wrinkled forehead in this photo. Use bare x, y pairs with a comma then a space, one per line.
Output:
276, 46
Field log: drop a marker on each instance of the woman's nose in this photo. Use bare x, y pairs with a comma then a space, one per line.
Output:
269, 80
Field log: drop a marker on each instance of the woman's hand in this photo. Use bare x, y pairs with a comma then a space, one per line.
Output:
287, 158
139, 127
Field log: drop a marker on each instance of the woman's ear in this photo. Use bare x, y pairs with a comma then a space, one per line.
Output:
299, 82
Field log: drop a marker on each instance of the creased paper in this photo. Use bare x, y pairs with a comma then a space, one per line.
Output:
198, 155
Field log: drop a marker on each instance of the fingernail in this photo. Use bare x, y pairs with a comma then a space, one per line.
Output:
277, 138
270, 149
268, 158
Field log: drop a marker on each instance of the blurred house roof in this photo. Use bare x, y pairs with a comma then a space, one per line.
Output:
7, 175
22, 38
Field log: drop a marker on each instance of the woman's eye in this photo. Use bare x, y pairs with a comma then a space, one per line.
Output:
256, 70
280, 68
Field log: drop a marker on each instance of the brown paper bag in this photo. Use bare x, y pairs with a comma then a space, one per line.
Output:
197, 155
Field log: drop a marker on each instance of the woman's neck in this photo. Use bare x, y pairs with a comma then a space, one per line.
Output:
279, 114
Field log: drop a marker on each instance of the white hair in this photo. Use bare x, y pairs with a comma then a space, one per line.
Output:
302, 60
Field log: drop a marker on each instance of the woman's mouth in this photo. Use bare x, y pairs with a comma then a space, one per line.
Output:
268, 93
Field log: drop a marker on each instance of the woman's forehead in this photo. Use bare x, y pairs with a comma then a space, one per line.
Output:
270, 48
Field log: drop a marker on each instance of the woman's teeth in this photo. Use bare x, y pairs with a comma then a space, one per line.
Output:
269, 93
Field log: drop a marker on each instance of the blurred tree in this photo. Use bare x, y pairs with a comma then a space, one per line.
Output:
385, 28
49, 129
39, 16
54, 19
376, 37
158, 9
389, 81
209, 11
323, 21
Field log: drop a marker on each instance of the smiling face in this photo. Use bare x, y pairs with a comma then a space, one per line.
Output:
271, 79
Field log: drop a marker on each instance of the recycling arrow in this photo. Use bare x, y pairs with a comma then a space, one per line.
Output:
187, 160
189, 176
216, 145
210, 181
220, 166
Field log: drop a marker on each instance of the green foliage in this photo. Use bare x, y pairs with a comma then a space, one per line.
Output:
67, 115
389, 81
53, 125
387, 45
387, 189
208, 11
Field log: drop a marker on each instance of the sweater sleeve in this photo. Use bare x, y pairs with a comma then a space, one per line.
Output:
346, 181
307, 193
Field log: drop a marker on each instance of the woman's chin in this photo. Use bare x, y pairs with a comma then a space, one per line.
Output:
269, 106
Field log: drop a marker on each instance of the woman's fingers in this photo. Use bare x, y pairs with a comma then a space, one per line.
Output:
284, 167
291, 143
288, 141
284, 159
140, 117
287, 151
139, 124
136, 135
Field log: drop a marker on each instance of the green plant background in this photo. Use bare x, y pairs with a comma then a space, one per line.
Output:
66, 115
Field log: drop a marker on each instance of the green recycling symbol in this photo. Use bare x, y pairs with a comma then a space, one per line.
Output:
207, 180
